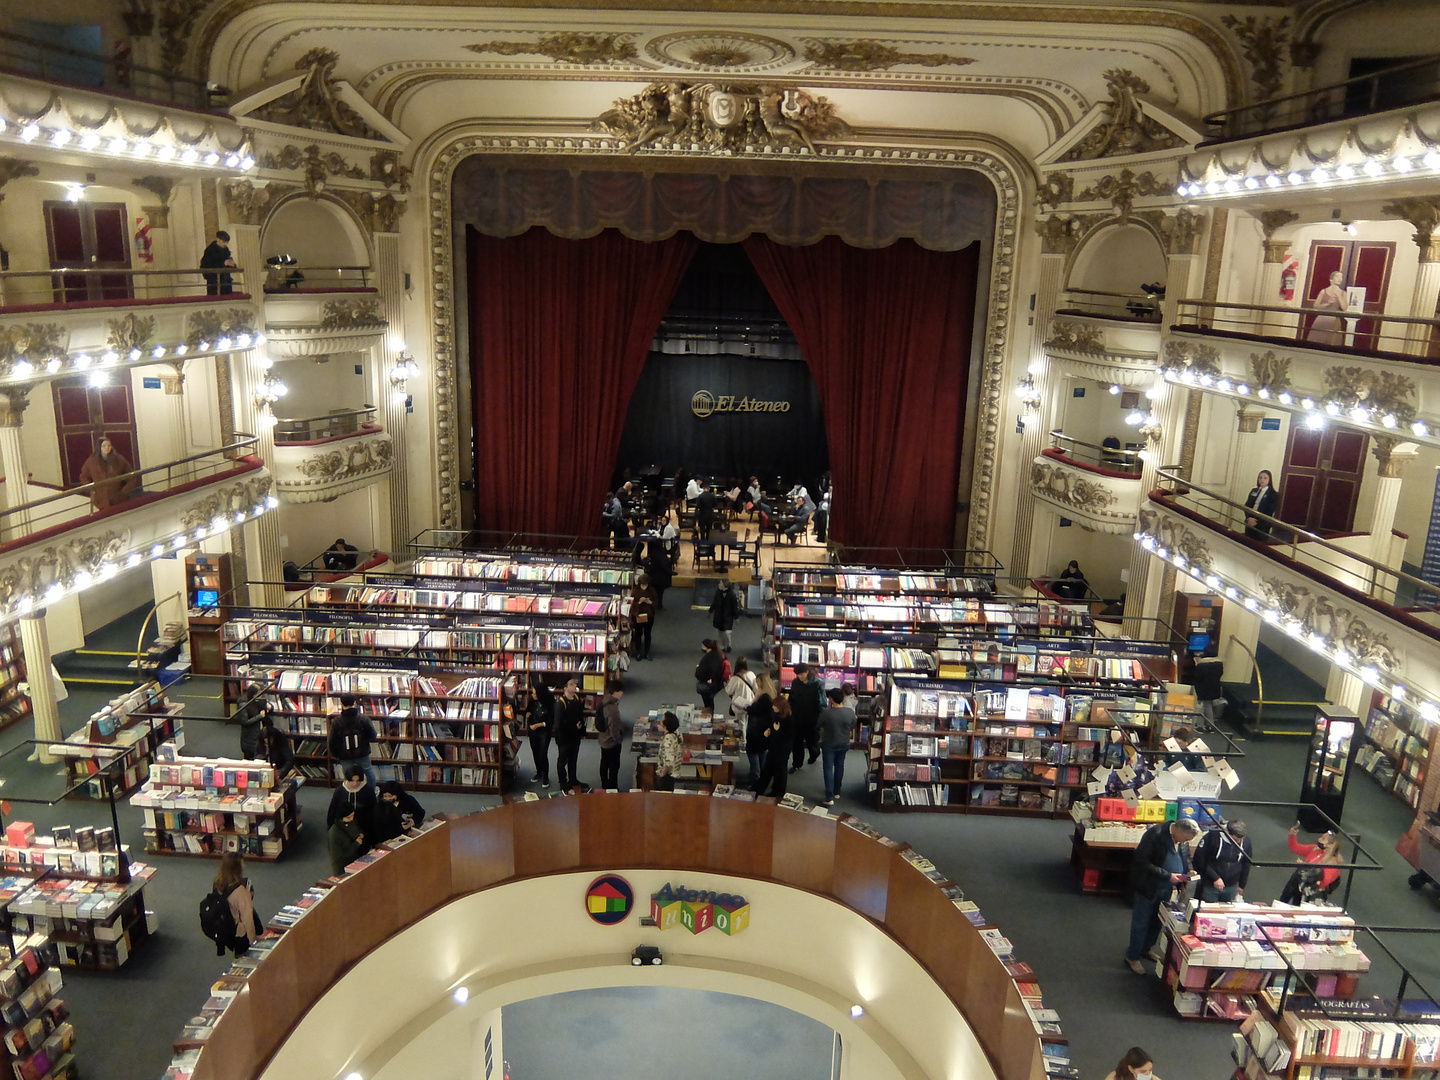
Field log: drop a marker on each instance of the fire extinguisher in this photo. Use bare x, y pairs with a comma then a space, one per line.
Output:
1288, 274
143, 241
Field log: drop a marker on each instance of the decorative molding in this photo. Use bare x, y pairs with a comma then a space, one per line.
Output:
351, 315
59, 564
14, 400
315, 164
1122, 191
385, 168
130, 332
719, 51
1270, 220
1264, 43
867, 55
160, 186
1380, 391
341, 468
1270, 371
1060, 234
176, 20
720, 117
1126, 129
12, 169
1317, 613
1201, 359
1392, 455
1071, 337
246, 202
212, 324
566, 47
1055, 189
238, 497
1424, 214
315, 103
1184, 230
378, 211
34, 343
1134, 372
1084, 497
1247, 419
1176, 536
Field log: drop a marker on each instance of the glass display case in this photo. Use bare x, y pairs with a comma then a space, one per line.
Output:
1333, 742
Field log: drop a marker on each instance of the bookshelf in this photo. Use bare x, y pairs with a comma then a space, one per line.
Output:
1393, 1039
208, 588
1396, 748
712, 746
211, 806
128, 729
14, 706
38, 1041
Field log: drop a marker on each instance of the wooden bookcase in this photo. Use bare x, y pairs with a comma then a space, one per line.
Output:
130, 727
1397, 748
206, 575
31, 987
14, 706
1288, 1041
210, 806
1196, 613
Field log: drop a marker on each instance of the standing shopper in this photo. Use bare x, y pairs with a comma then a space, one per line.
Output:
568, 731
611, 734
758, 719
740, 689
250, 716
805, 704
350, 737
778, 738
837, 728
708, 680
723, 610
1135, 1065
1313, 882
1222, 859
670, 755
531, 722
234, 888
1161, 862
644, 603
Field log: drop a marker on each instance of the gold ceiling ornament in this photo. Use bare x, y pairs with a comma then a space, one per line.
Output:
1059, 234
139, 18
1269, 371
315, 103
1379, 391
1126, 129
1055, 189
212, 324
1265, 44
247, 202
34, 343
385, 168
350, 314
316, 165
1424, 214
566, 47
129, 332
719, 50
1183, 230
1175, 536
1122, 191
1201, 359
723, 117
867, 55
176, 20
12, 169
1065, 486
1270, 220
1317, 614
1076, 338
380, 211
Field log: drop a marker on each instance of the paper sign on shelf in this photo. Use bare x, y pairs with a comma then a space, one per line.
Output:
1101, 772
1131, 799
1127, 773
1171, 744
1197, 746
1095, 787
1017, 703
1179, 771
1150, 791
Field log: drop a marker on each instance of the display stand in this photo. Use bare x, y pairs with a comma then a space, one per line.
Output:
208, 588
1333, 744
1397, 747
110, 755
38, 1038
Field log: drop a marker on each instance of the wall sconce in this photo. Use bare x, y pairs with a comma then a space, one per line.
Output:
266, 394
405, 368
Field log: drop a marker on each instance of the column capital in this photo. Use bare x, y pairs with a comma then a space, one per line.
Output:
173, 384
1272, 221
13, 403
1393, 455
1424, 214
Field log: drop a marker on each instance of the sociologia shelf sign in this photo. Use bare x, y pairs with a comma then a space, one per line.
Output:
696, 910
609, 899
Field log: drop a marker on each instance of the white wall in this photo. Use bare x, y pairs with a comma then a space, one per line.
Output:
316, 232
313, 389
1119, 259
1094, 416
1102, 556
307, 529
1398, 28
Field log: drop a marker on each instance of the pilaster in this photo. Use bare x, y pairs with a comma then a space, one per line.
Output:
13, 403
35, 641
390, 280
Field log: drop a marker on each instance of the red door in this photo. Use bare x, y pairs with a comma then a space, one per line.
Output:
1365, 263
1320, 484
83, 413
89, 236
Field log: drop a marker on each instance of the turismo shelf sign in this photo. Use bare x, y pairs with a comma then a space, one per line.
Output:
695, 910
705, 404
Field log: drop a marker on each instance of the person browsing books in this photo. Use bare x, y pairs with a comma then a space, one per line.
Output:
1313, 882
350, 819
249, 716
1222, 859
708, 673
530, 721
231, 883
1135, 1065
395, 811
612, 733
1161, 862
670, 755
644, 603
837, 727
805, 703
350, 737
568, 732
741, 688
758, 718
779, 737
276, 749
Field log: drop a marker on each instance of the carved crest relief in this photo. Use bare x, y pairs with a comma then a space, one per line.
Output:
1068, 487
1381, 391
1318, 614
35, 343
1126, 129
1076, 338
867, 55
131, 332
210, 325
351, 314
59, 563
722, 117
566, 47
1201, 359
316, 103
1122, 191
1175, 536
1270, 371
239, 497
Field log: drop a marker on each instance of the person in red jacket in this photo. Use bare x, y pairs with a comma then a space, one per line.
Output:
1310, 883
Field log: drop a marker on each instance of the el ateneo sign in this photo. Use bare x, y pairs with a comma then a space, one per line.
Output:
704, 404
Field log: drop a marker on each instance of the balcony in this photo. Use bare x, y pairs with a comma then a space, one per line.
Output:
354, 454
1095, 338
76, 288
61, 545
66, 66
318, 312
1344, 333
1096, 486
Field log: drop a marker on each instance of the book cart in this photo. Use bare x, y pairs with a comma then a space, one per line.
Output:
110, 754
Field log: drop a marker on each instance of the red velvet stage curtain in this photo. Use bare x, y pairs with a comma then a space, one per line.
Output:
886, 332
559, 332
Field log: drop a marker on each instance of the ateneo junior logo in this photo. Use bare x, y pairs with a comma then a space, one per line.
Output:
676, 907
703, 404
609, 899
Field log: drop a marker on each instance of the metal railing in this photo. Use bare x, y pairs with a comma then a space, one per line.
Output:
149, 484
1109, 458
1376, 580
1393, 88
1361, 332
336, 424
297, 278
1132, 307
73, 286
109, 74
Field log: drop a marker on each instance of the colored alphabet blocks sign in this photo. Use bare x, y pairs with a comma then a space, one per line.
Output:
695, 910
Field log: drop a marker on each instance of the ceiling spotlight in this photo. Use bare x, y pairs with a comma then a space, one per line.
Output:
856, 1012
1402, 164
461, 995
1272, 181
1114, 388
30, 132
1372, 168
1345, 172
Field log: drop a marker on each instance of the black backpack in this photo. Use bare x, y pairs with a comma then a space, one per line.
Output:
217, 922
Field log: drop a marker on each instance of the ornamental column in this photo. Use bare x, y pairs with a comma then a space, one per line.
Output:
1057, 241
1393, 455
396, 399
246, 206
35, 642
1268, 286
173, 383
13, 404
1424, 214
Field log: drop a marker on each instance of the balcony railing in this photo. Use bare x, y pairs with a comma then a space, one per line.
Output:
1088, 455
336, 424
1360, 332
18, 524
1385, 585
1393, 88
294, 278
115, 75
1132, 307
76, 287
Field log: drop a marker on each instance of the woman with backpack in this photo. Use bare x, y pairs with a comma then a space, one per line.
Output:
740, 688
227, 915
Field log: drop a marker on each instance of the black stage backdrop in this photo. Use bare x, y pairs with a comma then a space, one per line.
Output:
662, 427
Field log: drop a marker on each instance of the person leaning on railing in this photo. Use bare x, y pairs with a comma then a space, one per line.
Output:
102, 469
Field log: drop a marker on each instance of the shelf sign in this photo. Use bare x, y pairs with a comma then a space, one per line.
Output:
675, 906
150, 382
1269, 423
609, 900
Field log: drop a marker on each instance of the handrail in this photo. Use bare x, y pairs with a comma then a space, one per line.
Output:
297, 277
1368, 332
1104, 455
1320, 106
1101, 303
119, 75
6, 275
65, 286
1109, 292
1259, 678
340, 423
140, 637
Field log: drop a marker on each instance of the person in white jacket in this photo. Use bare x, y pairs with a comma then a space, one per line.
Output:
740, 688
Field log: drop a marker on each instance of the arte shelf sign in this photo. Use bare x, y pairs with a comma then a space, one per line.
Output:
696, 910
704, 404
609, 899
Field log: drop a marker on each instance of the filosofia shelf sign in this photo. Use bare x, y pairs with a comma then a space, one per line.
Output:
704, 404
696, 910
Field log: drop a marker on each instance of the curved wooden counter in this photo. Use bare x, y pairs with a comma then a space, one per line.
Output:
616, 832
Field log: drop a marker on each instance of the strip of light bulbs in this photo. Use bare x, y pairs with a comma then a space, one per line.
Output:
1370, 674
215, 156
1366, 170
24, 371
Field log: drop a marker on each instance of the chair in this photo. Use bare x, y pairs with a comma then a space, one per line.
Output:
704, 549
768, 525
747, 550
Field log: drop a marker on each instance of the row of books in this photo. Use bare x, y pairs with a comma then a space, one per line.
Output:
866, 580
98, 901
460, 600
447, 775
506, 568
209, 844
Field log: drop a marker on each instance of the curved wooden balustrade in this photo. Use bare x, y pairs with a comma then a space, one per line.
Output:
613, 832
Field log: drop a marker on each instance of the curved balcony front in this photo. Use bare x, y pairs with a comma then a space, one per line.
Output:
1099, 497
1090, 340
324, 312
348, 451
